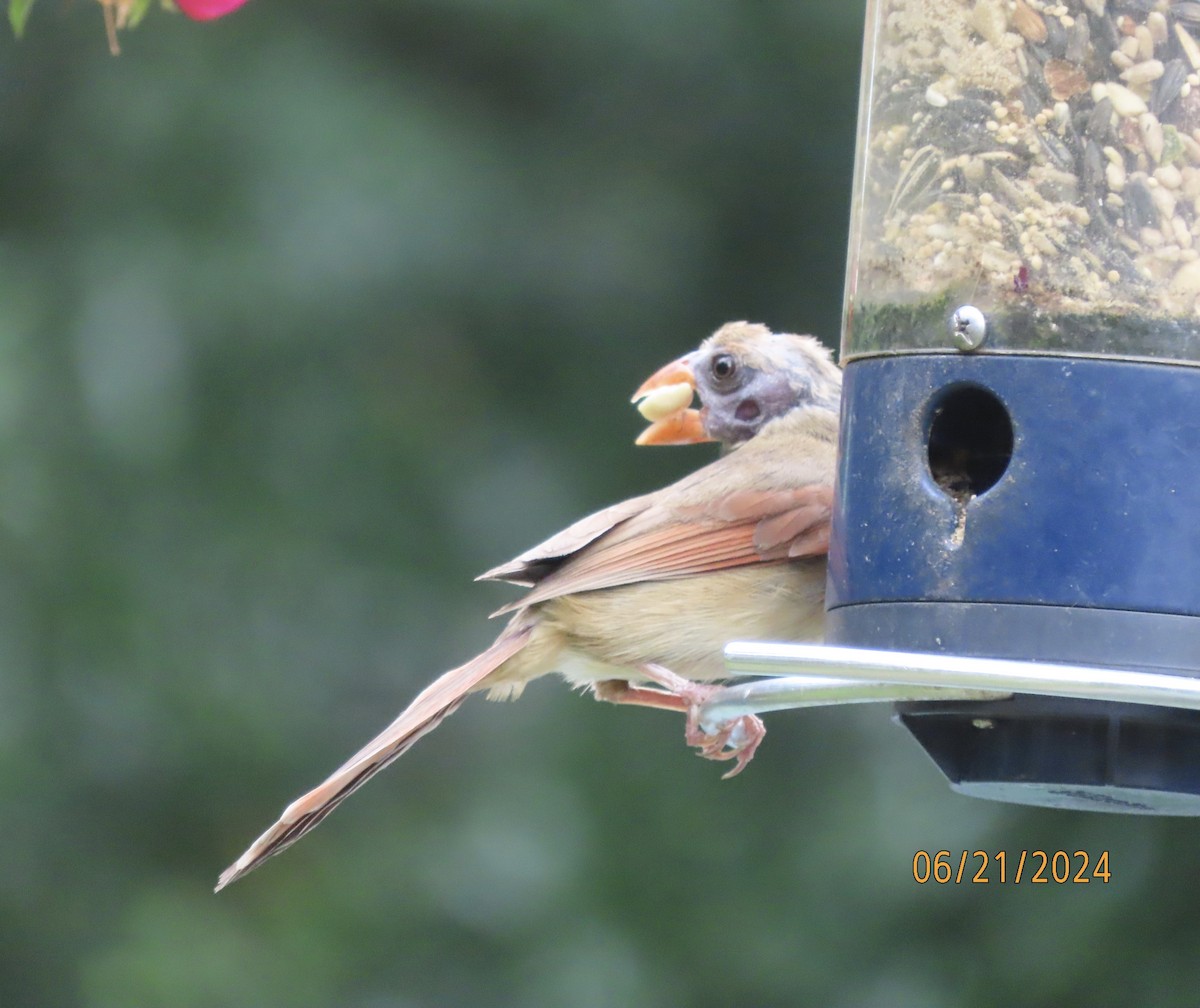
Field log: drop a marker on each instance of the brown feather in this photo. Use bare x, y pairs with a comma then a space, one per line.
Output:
710, 520
803, 522
657, 555
530, 566
431, 707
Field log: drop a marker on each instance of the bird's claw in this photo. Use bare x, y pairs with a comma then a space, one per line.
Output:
736, 739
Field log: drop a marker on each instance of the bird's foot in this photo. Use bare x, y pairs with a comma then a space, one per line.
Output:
737, 739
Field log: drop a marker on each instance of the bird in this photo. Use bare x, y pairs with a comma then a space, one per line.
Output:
637, 601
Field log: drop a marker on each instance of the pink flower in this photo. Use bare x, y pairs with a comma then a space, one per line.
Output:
206, 10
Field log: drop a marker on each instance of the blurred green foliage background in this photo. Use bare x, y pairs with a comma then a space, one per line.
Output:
306, 317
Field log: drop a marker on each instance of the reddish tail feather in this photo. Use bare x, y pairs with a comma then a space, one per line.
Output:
431, 707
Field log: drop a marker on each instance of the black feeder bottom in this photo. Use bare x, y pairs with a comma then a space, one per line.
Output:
1065, 754
1032, 508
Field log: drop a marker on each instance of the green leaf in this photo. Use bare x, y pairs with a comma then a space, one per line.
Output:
18, 14
137, 11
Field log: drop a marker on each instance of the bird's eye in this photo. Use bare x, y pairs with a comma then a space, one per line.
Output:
723, 366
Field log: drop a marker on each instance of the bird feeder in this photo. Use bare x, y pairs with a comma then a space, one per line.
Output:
1018, 505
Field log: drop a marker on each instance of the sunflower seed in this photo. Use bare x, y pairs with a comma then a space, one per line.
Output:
1166, 88
1186, 11
1079, 42
1191, 50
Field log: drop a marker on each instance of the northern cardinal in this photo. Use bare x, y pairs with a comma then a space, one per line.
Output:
651, 589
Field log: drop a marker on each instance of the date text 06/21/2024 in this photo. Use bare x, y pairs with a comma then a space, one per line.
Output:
1011, 867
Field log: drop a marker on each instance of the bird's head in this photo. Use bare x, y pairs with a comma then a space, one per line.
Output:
745, 375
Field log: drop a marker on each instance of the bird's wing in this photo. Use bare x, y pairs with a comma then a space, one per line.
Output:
792, 523
534, 564
744, 527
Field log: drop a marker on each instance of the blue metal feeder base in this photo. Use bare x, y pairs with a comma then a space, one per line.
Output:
1031, 507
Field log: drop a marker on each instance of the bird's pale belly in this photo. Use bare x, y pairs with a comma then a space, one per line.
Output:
684, 624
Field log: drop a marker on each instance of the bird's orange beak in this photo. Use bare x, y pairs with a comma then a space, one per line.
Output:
665, 399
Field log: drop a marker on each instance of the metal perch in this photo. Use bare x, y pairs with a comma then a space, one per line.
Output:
811, 675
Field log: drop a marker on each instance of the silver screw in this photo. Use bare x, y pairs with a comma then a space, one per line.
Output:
968, 328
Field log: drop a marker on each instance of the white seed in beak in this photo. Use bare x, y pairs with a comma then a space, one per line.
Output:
662, 402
